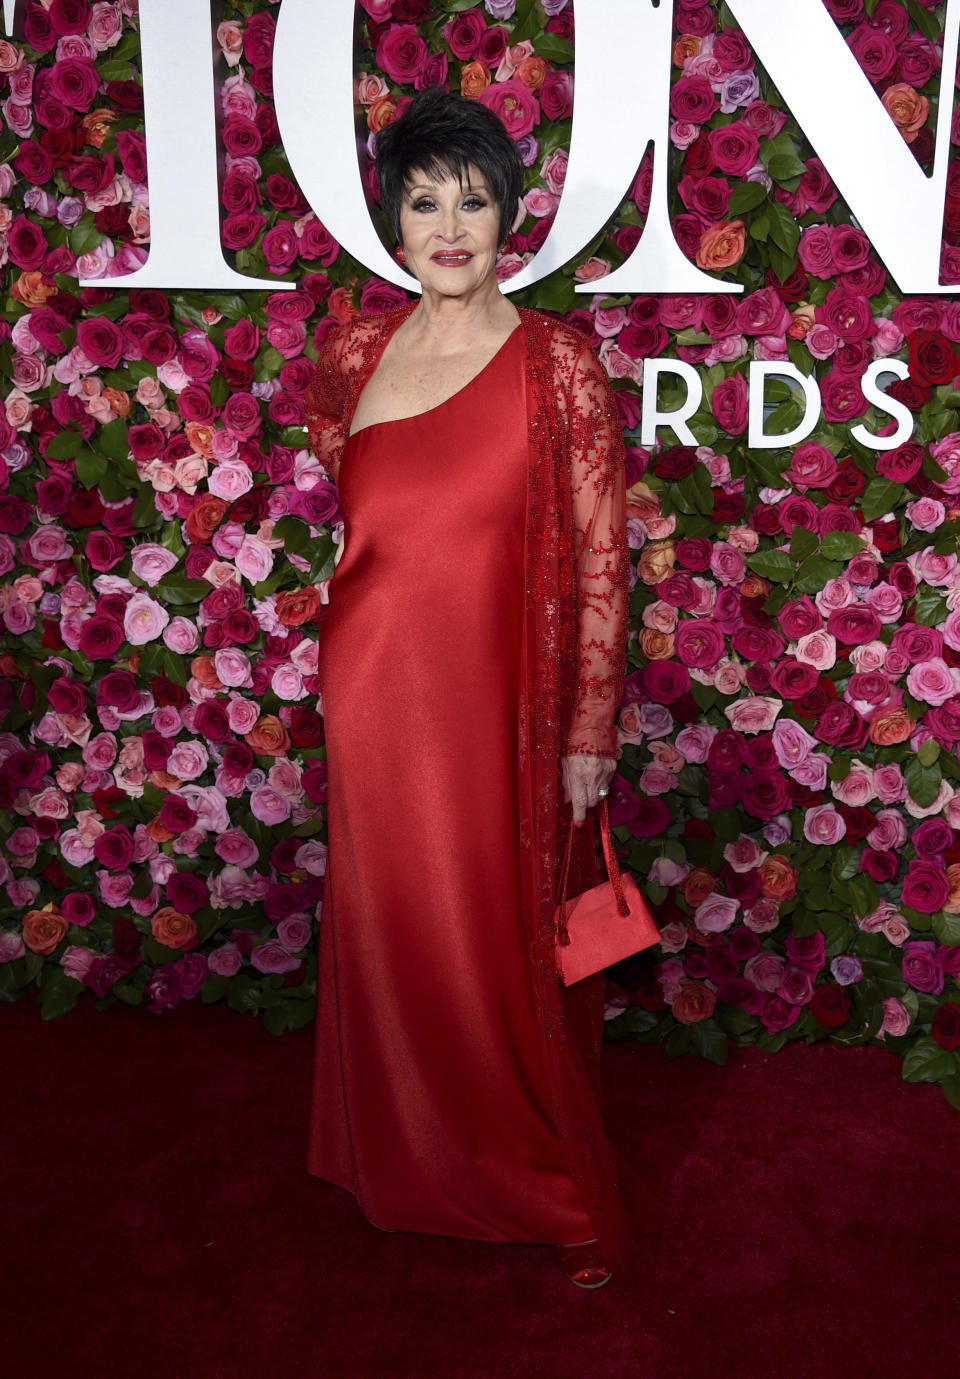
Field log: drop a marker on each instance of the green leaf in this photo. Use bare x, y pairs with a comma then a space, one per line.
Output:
928, 752
84, 236
784, 167
930, 606
554, 48
802, 543
90, 467
708, 1040
293, 532
726, 824
846, 862
775, 565
746, 196
923, 782
947, 928
814, 573
880, 496
58, 992
928, 24
841, 545
114, 69
112, 440
64, 446
926, 1061
177, 589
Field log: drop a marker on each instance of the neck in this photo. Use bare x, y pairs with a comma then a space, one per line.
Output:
467, 314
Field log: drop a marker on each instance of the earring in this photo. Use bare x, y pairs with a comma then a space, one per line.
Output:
401, 256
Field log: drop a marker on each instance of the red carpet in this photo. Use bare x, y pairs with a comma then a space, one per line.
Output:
159, 1222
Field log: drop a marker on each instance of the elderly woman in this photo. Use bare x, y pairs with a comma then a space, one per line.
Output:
471, 664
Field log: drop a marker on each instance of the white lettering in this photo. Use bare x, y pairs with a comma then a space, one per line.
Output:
760, 371
652, 417
180, 123
870, 383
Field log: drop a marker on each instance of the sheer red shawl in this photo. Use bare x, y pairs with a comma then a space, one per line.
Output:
575, 621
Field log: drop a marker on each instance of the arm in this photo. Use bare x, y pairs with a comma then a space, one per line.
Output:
324, 402
599, 520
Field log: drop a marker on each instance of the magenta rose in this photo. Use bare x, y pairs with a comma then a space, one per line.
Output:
101, 637
729, 404
402, 53
855, 625
515, 105
103, 550
280, 247
272, 957
240, 231
242, 340
734, 148
692, 100
26, 243
921, 970
665, 681
132, 148
119, 689
176, 814
556, 96
241, 137
101, 340
198, 355
258, 39
926, 886
186, 892
33, 163
75, 81
932, 838
464, 34
699, 643
69, 16
114, 848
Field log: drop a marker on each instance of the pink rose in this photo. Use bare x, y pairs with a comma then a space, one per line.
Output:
232, 667
236, 848
817, 649
515, 105
143, 620
933, 681
254, 559
269, 805
230, 481
181, 636
402, 53
225, 961
716, 913
756, 714
273, 957
294, 934
188, 760
150, 562
824, 826
765, 970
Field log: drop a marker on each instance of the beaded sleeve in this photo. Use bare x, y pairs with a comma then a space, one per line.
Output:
325, 403
596, 458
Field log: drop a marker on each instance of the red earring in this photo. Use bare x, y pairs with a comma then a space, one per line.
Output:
401, 256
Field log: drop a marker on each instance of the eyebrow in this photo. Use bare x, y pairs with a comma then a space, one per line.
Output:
429, 187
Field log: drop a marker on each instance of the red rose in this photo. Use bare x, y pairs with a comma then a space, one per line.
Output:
945, 1027
103, 550
101, 638
933, 359
830, 1005
26, 243
675, 463
114, 848
238, 759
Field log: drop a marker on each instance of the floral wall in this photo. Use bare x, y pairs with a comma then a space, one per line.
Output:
788, 790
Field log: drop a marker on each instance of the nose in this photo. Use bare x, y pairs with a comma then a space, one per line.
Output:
450, 229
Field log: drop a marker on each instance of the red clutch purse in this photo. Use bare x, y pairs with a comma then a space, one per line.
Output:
605, 924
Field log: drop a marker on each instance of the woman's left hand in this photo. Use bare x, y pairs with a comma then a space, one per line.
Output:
583, 776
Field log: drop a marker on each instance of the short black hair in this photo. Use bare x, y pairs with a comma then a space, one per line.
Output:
441, 134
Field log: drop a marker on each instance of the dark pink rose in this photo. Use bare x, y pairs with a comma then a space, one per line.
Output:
186, 892
733, 52
258, 38
917, 643
692, 100
33, 163
146, 440
242, 340
282, 193
724, 787
842, 397
816, 191
47, 324
316, 242
241, 414
556, 96
286, 409
241, 137
665, 681
720, 315
920, 967
114, 848
433, 72
77, 907
846, 314
855, 625
463, 33
67, 696
726, 751
730, 403
69, 16
762, 313
280, 247
493, 45
26, 770
707, 197
516, 106
118, 688
101, 638
840, 725
266, 122
101, 341
797, 511
176, 814
899, 464
240, 231
164, 988
75, 81
240, 193
932, 838
316, 505
26, 243
692, 18
648, 820
103, 550
734, 148
38, 29
401, 53
757, 643
917, 60
198, 356
792, 679
874, 50
132, 148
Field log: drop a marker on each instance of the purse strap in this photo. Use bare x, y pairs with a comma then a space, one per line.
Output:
613, 871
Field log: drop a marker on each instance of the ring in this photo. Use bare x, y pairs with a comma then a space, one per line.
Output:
603, 792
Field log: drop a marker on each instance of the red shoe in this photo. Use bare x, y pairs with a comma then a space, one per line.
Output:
583, 1264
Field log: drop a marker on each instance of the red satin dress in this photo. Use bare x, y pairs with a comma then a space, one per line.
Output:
431, 1098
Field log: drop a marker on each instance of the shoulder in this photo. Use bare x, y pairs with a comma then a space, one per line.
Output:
566, 347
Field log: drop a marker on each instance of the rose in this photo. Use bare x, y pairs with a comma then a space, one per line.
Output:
830, 1006
721, 245
187, 892
926, 887
271, 957
945, 1027
730, 404
932, 681
933, 359
173, 929
734, 148
515, 105
43, 930
823, 826
401, 53
144, 619
693, 1002
920, 967
114, 848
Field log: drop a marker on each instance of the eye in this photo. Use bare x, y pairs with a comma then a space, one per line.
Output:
474, 203
423, 203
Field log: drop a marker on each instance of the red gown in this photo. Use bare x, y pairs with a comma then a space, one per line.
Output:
436, 1097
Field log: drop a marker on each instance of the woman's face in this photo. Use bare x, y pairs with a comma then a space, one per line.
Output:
450, 231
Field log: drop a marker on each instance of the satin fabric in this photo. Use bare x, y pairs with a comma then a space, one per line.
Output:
432, 1097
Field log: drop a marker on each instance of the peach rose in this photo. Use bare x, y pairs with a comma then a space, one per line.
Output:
204, 518
778, 880
533, 72
382, 112
155, 830
693, 1002
96, 126
656, 561
200, 435
907, 108
684, 46
204, 671
268, 737
802, 319
753, 586
890, 725
43, 929
474, 77
32, 289
370, 88
173, 929
657, 646
721, 245
698, 885
119, 402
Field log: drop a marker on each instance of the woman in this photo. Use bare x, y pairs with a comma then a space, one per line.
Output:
471, 660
